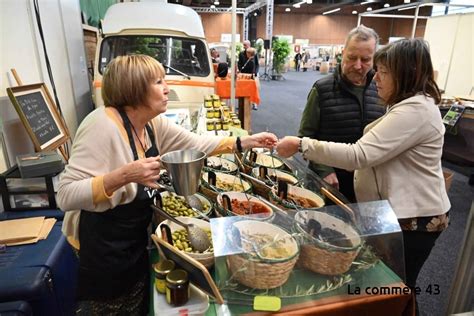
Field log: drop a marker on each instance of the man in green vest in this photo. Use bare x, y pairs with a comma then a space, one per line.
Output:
341, 104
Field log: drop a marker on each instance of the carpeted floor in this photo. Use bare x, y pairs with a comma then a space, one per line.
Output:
282, 104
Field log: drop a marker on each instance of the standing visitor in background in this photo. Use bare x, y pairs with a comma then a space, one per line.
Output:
340, 105
243, 58
297, 60
305, 60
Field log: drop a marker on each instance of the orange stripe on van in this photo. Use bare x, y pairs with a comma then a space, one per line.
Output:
190, 83
98, 84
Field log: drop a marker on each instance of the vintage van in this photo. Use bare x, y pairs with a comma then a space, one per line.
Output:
171, 33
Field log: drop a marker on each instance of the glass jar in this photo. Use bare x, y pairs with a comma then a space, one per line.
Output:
162, 269
217, 113
208, 104
218, 125
226, 111
225, 125
236, 122
210, 113
210, 125
177, 287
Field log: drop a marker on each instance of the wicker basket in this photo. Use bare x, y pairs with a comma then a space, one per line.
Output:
211, 193
231, 167
259, 275
301, 192
322, 257
240, 196
264, 190
204, 200
207, 258
262, 273
263, 159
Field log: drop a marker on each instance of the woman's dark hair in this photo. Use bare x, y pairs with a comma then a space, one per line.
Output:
409, 63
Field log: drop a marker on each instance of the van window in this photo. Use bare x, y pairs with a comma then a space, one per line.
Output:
187, 55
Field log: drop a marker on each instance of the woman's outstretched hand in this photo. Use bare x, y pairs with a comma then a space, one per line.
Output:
260, 140
288, 146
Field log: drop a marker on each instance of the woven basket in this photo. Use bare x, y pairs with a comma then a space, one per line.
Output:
263, 190
263, 159
240, 196
229, 165
259, 275
322, 257
301, 192
212, 193
257, 272
207, 259
204, 200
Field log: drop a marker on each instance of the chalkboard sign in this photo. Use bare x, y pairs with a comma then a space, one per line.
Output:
39, 115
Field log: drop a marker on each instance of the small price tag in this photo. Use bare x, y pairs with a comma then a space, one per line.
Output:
267, 303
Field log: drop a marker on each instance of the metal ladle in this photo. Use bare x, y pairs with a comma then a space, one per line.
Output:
197, 236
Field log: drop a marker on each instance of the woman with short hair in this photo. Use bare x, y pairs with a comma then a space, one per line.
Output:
109, 185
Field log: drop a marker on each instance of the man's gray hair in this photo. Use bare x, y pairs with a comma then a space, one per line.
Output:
362, 33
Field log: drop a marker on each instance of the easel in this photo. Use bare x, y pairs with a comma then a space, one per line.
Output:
61, 146
265, 75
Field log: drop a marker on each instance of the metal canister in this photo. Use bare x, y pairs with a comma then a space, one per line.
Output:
162, 269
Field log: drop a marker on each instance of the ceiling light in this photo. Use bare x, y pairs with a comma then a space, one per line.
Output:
407, 8
354, 12
255, 14
386, 5
331, 11
287, 10
406, 1
213, 6
365, 2
369, 9
309, 1
216, 2
298, 4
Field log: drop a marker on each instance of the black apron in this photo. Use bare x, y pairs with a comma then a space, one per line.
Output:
113, 254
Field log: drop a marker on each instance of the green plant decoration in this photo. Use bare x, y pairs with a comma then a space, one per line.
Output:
281, 50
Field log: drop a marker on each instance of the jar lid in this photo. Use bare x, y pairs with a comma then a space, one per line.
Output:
164, 266
177, 276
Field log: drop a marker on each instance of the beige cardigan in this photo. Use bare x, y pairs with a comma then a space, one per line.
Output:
93, 155
398, 159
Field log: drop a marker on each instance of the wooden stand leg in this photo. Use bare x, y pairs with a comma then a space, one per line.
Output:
245, 114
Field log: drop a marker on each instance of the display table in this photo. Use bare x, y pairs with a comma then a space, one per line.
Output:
42, 274
336, 302
246, 91
459, 140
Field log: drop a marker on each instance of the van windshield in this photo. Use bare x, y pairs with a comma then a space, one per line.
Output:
187, 55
